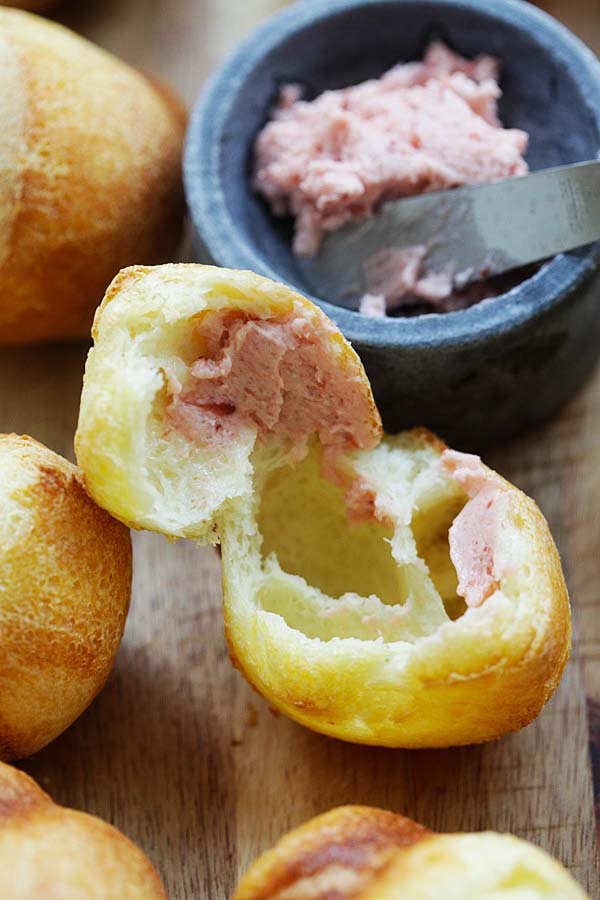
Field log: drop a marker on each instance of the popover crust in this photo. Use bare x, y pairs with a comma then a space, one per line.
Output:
59, 854
65, 582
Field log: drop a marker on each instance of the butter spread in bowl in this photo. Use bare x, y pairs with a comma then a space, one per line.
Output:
423, 126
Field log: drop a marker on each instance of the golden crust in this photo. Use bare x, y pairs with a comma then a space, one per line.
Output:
369, 854
65, 580
47, 850
95, 184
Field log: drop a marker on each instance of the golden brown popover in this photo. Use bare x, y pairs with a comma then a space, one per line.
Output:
370, 854
65, 582
381, 590
48, 852
90, 176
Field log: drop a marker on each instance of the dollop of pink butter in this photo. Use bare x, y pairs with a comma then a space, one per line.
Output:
422, 126
281, 376
473, 534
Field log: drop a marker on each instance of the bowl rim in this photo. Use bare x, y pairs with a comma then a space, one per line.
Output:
554, 282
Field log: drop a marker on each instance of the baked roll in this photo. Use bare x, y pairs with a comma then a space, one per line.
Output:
380, 590
52, 852
90, 177
65, 582
370, 854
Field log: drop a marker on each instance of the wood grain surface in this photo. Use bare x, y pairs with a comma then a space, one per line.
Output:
178, 751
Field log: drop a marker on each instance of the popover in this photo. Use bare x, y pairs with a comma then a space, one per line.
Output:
370, 854
65, 583
60, 854
383, 590
90, 176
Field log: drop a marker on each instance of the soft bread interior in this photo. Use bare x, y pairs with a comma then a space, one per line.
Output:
385, 579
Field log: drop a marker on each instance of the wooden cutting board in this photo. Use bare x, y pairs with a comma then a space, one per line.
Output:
178, 751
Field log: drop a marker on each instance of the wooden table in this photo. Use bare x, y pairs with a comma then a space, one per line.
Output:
178, 751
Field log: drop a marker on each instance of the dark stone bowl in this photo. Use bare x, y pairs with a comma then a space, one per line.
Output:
476, 375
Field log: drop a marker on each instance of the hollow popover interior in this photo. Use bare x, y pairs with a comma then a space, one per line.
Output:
371, 579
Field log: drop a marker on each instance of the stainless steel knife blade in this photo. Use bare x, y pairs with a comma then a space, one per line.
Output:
469, 232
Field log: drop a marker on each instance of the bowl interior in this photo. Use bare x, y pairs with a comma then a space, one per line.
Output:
543, 93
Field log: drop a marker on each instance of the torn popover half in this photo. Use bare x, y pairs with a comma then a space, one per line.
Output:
65, 583
369, 854
381, 590
47, 851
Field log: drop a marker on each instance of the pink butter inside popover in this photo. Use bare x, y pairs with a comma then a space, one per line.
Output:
474, 533
280, 376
